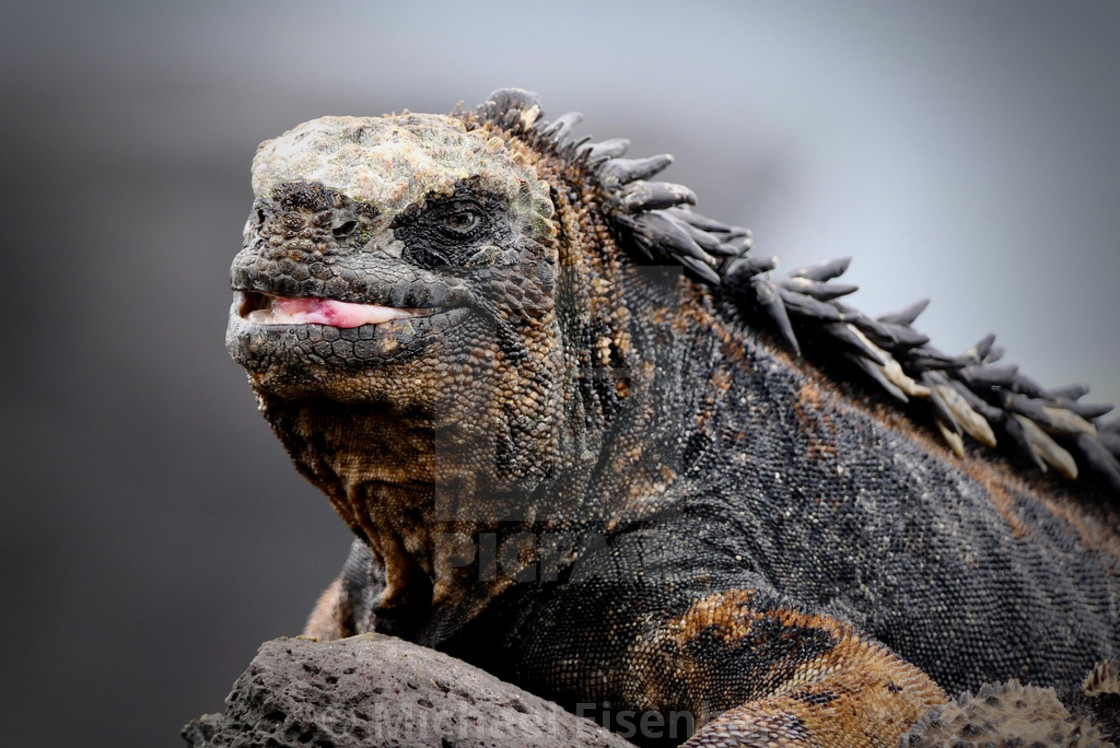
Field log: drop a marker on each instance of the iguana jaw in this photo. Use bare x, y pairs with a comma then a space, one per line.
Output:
349, 315
295, 342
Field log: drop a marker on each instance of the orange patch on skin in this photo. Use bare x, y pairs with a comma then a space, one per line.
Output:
327, 619
729, 616
855, 693
721, 380
667, 474
866, 697
1000, 494
816, 422
720, 613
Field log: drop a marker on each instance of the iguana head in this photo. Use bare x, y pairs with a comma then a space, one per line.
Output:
380, 250
406, 266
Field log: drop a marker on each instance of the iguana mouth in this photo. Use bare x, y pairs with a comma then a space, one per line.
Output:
270, 332
265, 309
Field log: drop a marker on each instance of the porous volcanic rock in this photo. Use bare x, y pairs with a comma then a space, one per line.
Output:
374, 690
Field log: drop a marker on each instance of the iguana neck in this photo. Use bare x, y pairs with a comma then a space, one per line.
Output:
415, 482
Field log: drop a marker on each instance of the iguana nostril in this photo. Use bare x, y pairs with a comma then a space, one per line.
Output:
343, 229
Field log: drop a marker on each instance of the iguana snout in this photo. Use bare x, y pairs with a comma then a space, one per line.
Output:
396, 232
326, 290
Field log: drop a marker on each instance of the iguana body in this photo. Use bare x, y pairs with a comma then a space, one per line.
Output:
604, 479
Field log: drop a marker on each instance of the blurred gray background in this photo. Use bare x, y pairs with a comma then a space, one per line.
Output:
152, 531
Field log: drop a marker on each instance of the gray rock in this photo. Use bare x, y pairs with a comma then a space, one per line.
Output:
374, 690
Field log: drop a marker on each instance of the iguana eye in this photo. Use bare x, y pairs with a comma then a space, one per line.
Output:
461, 222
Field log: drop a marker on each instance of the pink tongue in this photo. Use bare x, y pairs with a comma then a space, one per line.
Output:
324, 312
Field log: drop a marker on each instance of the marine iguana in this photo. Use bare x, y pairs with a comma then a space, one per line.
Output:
590, 442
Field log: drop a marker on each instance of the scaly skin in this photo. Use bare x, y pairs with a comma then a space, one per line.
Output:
602, 481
